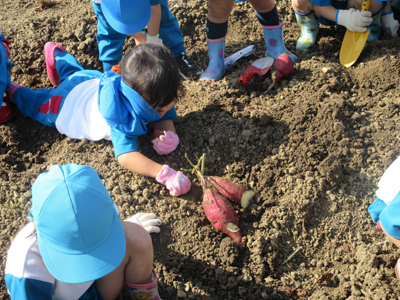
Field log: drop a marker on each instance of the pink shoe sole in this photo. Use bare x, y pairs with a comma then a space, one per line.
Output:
397, 269
50, 61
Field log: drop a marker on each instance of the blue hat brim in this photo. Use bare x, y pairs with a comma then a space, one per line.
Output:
84, 267
126, 28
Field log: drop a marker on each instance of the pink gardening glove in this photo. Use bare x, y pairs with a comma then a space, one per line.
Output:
166, 143
176, 182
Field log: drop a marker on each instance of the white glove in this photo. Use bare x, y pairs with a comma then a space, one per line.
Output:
354, 19
153, 39
148, 221
390, 24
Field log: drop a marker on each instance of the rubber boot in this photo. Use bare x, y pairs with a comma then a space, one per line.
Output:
144, 291
274, 41
374, 28
309, 30
216, 55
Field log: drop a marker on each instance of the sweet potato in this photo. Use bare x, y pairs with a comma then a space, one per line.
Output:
220, 212
234, 192
283, 66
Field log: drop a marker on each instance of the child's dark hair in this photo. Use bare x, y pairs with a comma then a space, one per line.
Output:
152, 72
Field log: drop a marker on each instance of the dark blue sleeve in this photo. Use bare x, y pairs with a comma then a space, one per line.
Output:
26, 288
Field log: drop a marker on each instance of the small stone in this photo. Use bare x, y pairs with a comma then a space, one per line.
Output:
181, 294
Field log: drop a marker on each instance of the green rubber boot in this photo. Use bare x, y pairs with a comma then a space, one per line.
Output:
375, 28
309, 30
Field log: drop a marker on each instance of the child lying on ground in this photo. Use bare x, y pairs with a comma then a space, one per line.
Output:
385, 210
92, 105
76, 246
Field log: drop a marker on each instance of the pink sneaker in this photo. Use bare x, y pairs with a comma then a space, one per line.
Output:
51, 62
397, 269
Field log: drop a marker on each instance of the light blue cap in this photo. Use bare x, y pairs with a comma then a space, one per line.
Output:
79, 233
127, 16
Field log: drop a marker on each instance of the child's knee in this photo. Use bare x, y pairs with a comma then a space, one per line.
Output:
138, 240
304, 5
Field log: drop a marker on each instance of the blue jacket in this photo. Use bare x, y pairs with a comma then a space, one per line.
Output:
126, 112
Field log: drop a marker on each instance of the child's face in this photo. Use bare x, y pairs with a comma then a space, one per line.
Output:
163, 110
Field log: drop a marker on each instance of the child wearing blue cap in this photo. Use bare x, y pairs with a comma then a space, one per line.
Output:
76, 246
217, 28
385, 210
5, 80
309, 13
92, 105
115, 22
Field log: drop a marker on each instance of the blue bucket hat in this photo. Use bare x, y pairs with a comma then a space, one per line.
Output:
127, 16
79, 233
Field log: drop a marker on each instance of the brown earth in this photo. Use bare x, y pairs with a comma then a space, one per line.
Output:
313, 150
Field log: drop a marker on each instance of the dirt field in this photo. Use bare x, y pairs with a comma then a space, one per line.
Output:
313, 150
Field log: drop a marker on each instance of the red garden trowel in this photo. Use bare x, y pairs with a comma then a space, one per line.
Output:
260, 67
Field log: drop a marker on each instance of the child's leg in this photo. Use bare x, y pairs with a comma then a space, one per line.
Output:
59, 63
137, 266
217, 28
272, 26
308, 22
110, 42
169, 31
39, 105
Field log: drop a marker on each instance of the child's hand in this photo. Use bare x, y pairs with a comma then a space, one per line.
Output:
176, 182
390, 24
354, 19
166, 143
153, 39
148, 221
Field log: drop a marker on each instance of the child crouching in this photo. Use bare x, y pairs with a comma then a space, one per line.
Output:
76, 246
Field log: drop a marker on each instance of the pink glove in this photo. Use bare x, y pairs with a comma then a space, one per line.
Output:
176, 182
166, 143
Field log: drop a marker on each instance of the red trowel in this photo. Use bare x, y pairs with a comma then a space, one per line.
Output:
259, 67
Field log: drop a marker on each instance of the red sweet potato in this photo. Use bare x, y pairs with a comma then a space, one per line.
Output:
282, 67
220, 212
234, 192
